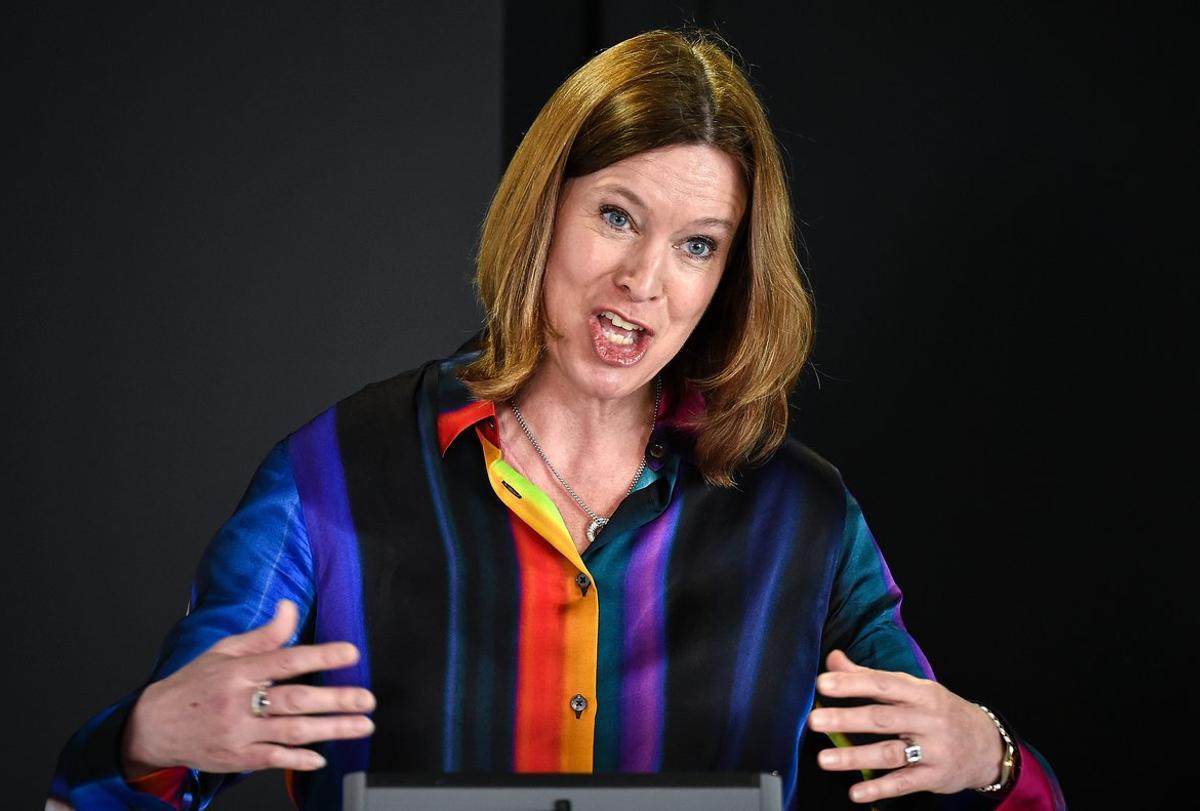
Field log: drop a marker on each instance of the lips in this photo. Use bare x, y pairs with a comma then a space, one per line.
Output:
617, 346
624, 317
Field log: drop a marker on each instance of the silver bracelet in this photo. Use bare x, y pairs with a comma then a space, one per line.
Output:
1008, 763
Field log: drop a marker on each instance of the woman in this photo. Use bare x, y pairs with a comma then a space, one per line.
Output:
583, 542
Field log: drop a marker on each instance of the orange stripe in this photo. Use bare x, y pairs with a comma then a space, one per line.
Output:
538, 727
581, 620
289, 781
560, 628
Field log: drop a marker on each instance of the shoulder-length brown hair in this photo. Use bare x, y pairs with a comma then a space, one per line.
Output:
658, 89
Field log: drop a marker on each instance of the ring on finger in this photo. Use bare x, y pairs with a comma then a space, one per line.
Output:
912, 752
260, 702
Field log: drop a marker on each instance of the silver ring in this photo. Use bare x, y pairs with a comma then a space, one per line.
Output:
260, 704
912, 752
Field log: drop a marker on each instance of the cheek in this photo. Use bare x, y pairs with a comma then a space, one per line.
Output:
695, 299
554, 294
578, 251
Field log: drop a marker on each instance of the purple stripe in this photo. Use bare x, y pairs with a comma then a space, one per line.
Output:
645, 655
321, 481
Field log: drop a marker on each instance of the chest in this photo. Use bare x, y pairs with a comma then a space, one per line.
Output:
487, 649
602, 487
480, 637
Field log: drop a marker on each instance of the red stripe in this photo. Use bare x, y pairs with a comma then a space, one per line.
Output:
537, 736
452, 423
165, 784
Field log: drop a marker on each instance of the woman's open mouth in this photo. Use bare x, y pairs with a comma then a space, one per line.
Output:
618, 341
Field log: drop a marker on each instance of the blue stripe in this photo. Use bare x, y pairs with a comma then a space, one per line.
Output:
427, 422
771, 533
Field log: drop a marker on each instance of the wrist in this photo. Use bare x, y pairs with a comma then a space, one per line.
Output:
1009, 764
136, 761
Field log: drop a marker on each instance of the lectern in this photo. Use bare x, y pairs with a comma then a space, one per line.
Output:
707, 791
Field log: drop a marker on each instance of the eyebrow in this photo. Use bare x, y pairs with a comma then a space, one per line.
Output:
616, 188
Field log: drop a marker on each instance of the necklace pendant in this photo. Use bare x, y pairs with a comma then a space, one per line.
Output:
594, 527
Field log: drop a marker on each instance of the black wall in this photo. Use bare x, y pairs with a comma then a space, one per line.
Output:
229, 216
226, 218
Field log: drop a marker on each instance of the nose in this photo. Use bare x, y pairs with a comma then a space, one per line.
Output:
642, 271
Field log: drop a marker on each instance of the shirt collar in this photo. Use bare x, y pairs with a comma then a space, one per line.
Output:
451, 424
457, 410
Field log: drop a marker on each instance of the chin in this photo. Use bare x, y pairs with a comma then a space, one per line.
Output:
608, 382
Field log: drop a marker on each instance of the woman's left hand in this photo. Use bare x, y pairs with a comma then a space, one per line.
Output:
960, 746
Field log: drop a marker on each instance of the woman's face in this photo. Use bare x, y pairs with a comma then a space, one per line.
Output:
637, 252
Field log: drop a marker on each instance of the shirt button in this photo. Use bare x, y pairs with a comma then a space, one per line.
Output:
578, 704
583, 581
657, 450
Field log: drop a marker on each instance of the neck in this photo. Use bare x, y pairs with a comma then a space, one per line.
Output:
576, 425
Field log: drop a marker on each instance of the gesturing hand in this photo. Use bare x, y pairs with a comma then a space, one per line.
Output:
201, 716
960, 747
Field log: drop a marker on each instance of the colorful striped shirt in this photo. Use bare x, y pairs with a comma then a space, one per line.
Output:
686, 638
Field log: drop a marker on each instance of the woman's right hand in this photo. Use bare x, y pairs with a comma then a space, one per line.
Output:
201, 715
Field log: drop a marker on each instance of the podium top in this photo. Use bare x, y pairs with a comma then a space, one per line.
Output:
696, 791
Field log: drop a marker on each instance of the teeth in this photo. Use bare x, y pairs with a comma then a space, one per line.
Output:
621, 322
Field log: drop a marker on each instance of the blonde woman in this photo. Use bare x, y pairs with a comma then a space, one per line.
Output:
583, 542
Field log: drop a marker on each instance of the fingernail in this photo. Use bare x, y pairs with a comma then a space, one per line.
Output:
858, 794
815, 718
318, 762
827, 681
829, 757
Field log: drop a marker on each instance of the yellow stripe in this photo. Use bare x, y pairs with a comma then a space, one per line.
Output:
582, 614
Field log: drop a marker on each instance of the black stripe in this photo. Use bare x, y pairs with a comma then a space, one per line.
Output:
704, 604
792, 652
490, 601
405, 588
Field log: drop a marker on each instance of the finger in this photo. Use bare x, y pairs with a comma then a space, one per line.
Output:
893, 784
838, 660
270, 636
883, 755
880, 719
881, 685
287, 663
302, 729
297, 699
274, 756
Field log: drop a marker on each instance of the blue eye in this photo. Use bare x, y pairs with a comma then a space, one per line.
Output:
615, 217
699, 247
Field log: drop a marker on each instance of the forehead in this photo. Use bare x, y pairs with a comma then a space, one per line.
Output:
697, 181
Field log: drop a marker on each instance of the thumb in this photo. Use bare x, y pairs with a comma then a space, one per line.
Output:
838, 660
268, 637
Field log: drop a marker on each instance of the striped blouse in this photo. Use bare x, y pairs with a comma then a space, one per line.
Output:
686, 638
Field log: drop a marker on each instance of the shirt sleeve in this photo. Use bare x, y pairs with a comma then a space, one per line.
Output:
864, 621
259, 556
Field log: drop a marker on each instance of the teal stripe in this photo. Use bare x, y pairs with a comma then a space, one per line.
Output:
608, 563
608, 569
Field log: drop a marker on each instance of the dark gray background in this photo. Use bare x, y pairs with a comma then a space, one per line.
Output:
225, 217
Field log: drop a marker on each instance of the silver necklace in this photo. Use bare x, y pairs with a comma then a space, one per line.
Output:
598, 521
